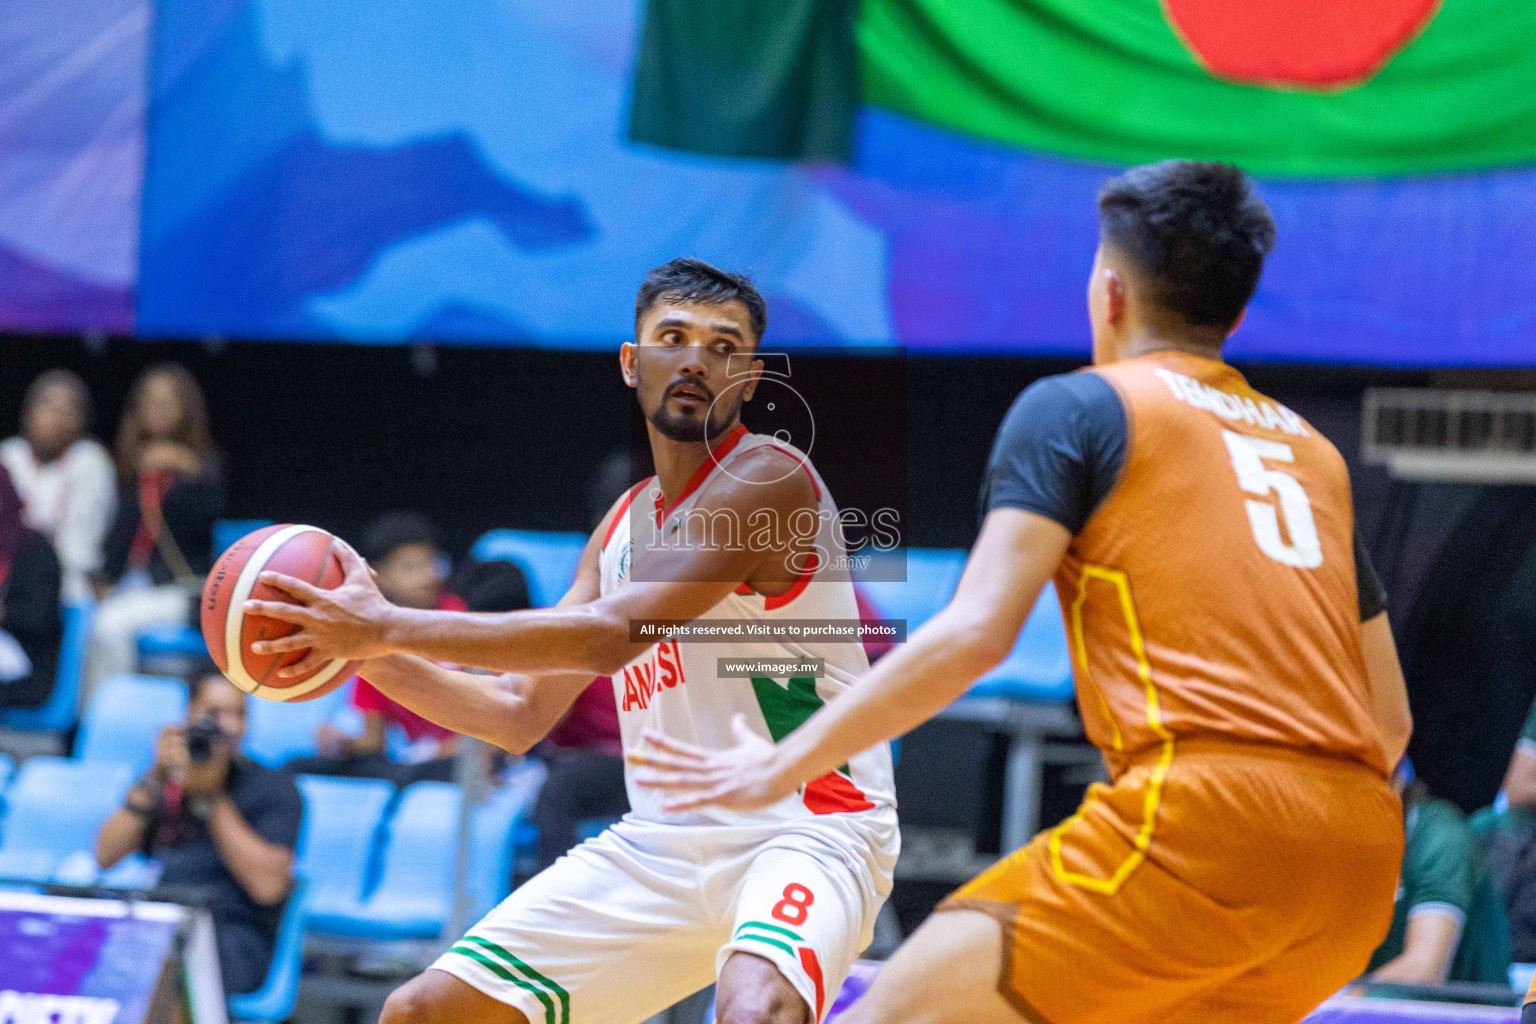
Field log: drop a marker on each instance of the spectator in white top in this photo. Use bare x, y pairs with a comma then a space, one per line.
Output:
64, 477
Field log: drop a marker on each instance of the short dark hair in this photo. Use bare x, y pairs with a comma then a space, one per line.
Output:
1198, 231
395, 530
62, 378
199, 675
691, 280
493, 586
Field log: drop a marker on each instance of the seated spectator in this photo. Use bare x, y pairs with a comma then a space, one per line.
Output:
402, 549
1520, 779
1448, 923
223, 828
1510, 848
161, 543
490, 586
31, 628
63, 476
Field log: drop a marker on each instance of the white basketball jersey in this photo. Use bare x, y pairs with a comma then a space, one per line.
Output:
677, 688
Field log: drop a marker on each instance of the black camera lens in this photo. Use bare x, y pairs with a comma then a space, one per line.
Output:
200, 740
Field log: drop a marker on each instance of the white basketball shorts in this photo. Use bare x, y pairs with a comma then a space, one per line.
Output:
645, 914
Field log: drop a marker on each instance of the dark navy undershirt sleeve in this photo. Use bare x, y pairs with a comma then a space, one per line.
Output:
1059, 451
1373, 596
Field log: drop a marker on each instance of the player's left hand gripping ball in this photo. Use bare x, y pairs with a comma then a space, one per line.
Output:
744, 777
347, 622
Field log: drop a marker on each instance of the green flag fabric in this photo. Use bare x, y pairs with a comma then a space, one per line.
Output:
1310, 88
751, 78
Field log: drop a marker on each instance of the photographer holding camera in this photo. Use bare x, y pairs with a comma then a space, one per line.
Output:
223, 827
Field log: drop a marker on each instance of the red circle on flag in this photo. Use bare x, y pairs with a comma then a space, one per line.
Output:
1319, 44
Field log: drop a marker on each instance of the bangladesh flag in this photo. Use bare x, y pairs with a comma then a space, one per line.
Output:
764, 78
1323, 88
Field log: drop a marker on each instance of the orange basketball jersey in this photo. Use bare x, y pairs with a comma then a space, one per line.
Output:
1212, 591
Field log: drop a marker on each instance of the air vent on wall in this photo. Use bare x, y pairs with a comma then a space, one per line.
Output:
1463, 436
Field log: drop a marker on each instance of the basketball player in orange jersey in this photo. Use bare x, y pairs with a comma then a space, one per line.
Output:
1233, 664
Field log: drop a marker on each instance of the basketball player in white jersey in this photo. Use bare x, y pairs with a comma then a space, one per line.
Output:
774, 903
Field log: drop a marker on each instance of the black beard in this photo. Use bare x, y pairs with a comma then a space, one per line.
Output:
683, 428
677, 427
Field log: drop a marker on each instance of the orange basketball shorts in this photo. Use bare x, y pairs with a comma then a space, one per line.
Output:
1224, 882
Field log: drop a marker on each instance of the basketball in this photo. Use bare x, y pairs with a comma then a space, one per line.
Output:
305, 552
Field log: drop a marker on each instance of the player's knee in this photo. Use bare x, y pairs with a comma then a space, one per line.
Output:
761, 996
413, 1003
770, 1007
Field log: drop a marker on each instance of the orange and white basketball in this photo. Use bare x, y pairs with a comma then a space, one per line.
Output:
305, 552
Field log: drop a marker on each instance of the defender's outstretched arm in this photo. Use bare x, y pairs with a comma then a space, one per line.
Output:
1014, 556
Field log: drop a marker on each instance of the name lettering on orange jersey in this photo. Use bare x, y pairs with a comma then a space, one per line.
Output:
1232, 407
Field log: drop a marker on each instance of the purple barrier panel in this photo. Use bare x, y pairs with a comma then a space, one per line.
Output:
1348, 1010
859, 979
1341, 1010
83, 960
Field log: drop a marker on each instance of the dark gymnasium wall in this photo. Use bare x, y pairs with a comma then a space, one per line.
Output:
479, 438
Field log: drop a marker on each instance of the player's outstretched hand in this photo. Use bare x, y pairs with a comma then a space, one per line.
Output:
741, 778
349, 621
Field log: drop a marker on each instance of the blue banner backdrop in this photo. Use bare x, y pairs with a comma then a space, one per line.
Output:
458, 171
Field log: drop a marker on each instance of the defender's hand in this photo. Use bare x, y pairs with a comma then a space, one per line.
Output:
349, 622
742, 778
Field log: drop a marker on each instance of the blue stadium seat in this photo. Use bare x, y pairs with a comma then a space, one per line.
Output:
415, 892
525, 847
26, 866
7, 766
548, 559
134, 871
276, 733
497, 825
591, 828
58, 713
57, 805
341, 825
1028, 698
123, 721
170, 648
227, 531
493, 828
915, 591
79, 868
273, 1001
